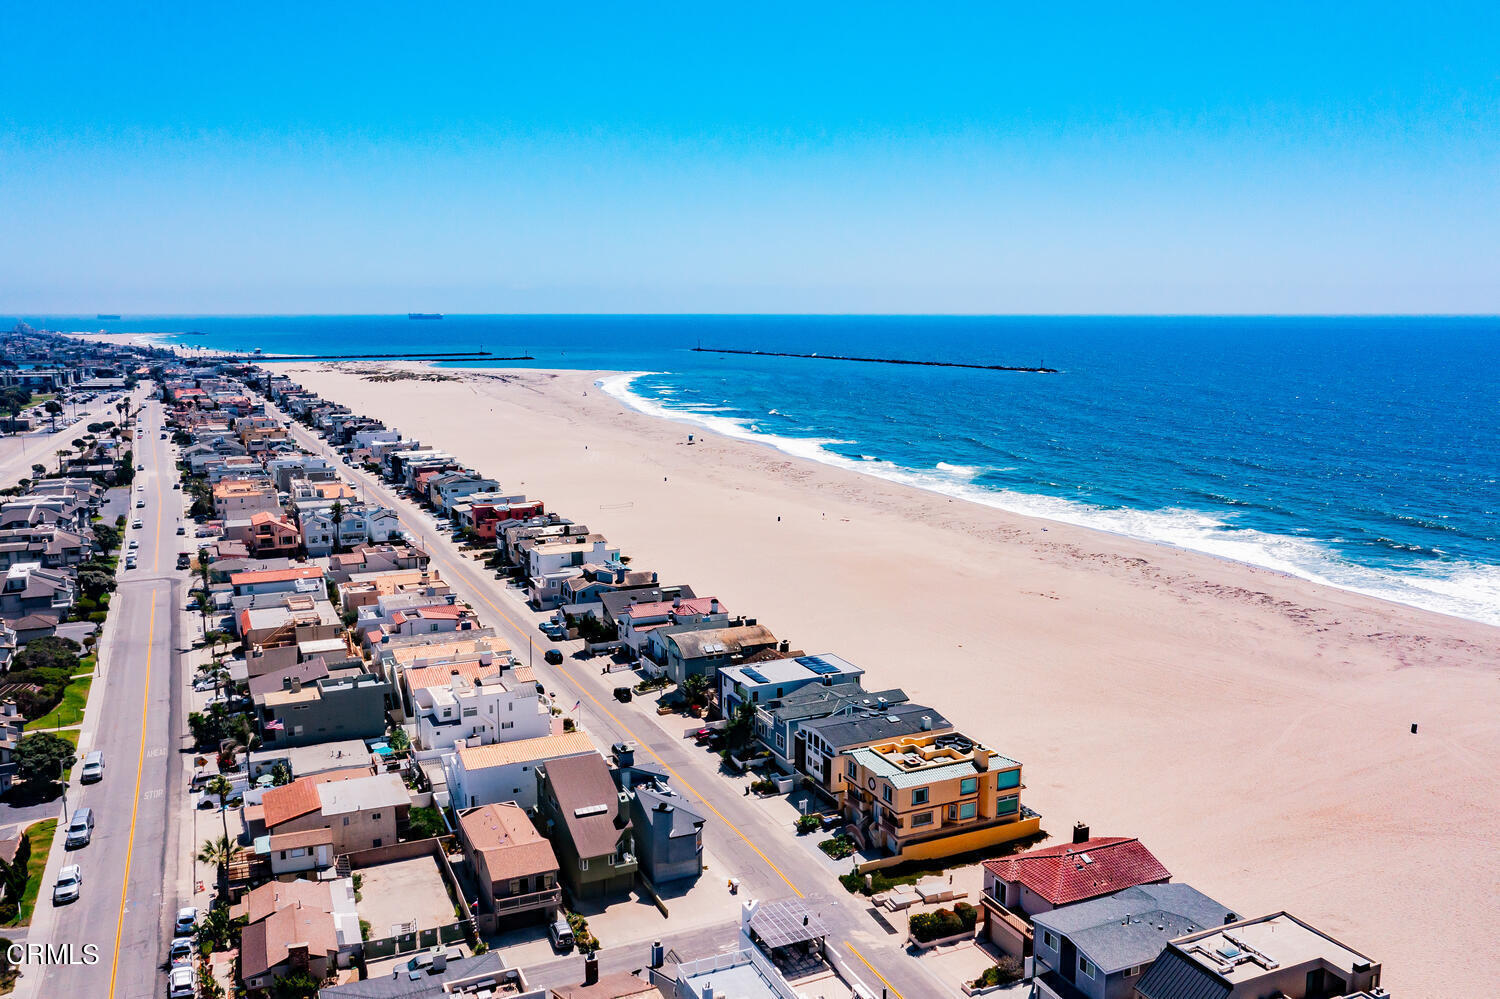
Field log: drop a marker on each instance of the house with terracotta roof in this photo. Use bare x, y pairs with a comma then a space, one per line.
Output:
296, 579
580, 810
362, 811
505, 771
242, 497
269, 535
296, 926
515, 869
1025, 885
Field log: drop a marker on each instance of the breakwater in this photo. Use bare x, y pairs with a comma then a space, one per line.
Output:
876, 360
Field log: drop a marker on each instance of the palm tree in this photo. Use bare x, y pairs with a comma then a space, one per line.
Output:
60, 456
220, 788
336, 514
217, 853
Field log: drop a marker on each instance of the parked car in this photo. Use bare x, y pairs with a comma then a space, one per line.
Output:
80, 829
561, 934
177, 485
554, 656
93, 768
184, 560
623, 695
68, 886
180, 982
140, 504
181, 529
181, 951
187, 922
136, 523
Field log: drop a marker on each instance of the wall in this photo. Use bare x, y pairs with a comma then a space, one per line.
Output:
947, 846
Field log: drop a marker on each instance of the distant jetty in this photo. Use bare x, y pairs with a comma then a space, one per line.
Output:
876, 360
424, 315
107, 315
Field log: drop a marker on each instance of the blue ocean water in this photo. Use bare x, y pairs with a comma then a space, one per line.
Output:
1359, 452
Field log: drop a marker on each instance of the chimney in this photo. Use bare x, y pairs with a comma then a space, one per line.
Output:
1080, 832
713, 606
676, 602
591, 969
785, 646
747, 912
658, 955
927, 723
296, 684
981, 758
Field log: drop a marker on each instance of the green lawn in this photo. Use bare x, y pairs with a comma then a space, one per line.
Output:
69, 710
40, 834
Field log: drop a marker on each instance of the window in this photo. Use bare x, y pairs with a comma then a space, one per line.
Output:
470, 712
346, 820
921, 819
968, 809
1049, 939
1007, 805
1085, 967
515, 886
885, 792
1010, 778
583, 863
849, 769
968, 785
919, 796
1136, 970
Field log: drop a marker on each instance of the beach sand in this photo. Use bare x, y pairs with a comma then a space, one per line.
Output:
1252, 728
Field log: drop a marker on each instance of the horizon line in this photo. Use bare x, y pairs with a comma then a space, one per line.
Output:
124, 317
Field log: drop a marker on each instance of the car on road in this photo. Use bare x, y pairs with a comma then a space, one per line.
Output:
180, 982
184, 560
140, 468
181, 529
177, 485
93, 767
136, 523
623, 695
140, 504
554, 657
181, 951
141, 488
130, 562
68, 885
80, 829
187, 922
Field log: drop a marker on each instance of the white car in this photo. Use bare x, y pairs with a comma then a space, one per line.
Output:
187, 922
136, 523
180, 983
69, 884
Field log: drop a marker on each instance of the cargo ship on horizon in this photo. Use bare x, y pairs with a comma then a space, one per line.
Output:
424, 315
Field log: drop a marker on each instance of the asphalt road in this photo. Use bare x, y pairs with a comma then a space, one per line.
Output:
135, 716
765, 858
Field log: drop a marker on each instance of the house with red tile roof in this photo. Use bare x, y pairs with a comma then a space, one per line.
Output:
1044, 879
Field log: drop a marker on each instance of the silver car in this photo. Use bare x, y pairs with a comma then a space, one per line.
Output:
69, 885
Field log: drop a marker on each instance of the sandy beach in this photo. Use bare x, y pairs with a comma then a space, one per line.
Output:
1252, 728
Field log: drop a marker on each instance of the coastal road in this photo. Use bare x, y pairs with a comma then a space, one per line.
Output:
130, 868
765, 855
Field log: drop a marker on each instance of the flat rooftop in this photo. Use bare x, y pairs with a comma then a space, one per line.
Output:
1241, 951
404, 896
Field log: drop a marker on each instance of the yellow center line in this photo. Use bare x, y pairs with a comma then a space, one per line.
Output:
889, 987
682, 781
140, 766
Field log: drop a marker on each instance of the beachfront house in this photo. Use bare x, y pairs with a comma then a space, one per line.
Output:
1100, 949
548, 565
863, 720
927, 796
477, 699
755, 684
703, 652
1275, 955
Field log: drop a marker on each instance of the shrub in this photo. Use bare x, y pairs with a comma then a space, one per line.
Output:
838, 847
763, 786
941, 923
1006, 971
808, 823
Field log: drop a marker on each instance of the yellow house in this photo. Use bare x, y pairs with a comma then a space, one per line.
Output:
932, 795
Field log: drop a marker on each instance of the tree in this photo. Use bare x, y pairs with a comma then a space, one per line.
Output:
425, 823
38, 470
297, 985
336, 514
695, 688
399, 741
42, 757
61, 454
281, 774
95, 584
216, 853
54, 409
742, 729
220, 788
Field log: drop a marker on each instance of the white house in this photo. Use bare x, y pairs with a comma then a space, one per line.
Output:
638, 621
505, 771
766, 681
476, 699
563, 558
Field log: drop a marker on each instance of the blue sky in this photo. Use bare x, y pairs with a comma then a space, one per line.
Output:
273, 158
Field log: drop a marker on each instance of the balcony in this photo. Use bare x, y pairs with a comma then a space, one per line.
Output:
506, 904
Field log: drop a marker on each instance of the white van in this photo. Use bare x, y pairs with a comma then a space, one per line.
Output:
80, 829
93, 767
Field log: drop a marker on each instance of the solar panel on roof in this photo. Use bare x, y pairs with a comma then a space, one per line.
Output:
818, 665
755, 674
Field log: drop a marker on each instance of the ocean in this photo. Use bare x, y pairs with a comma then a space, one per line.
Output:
1363, 453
